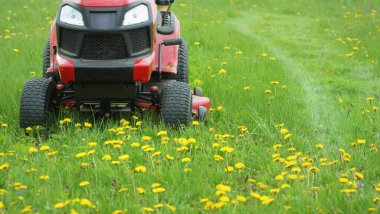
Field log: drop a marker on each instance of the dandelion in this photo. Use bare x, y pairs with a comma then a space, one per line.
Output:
247, 88
268, 91
16, 50
140, 190
279, 178
371, 209
239, 166
359, 176
4, 166
348, 191
229, 169
107, 157
115, 162
80, 155
159, 190
195, 123
84, 183
218, 158
146, 138
123, 157
185, 160
274, 191
44, 148
59, 205
222, 71
319, 146
87, 125
275, 82
44, 177
361, 141
238, 52
140, 169
197, 44
227, 149
287, 136
264, 54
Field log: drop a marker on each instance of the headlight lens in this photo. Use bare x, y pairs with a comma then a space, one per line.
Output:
136, 15
69, 15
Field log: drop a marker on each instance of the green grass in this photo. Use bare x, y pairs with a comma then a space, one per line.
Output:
325, 52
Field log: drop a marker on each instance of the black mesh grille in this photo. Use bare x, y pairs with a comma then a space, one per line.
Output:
103, 47
140, 39
69, 40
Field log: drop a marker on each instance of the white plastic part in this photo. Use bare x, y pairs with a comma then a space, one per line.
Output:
136, 15
69, 15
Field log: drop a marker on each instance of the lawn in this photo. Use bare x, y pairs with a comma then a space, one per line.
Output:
295, 89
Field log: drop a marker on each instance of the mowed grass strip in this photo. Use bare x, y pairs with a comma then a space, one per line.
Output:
294, 86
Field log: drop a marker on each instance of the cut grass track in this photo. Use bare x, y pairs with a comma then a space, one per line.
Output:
325, 56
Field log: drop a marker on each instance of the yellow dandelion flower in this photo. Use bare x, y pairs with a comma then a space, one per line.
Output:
168, 157
44, 177
275, 82
146, 138
348, 191
115, 162
287, 136
123, 190
274, 191
185, 160
81, 155
319, 146
32, 150
239, 166
140, 190
195, 123
279, 178
59, 205
361, 141
359, 176
161, 133
84, 183
107, 157
229, 169
219, 108
87, 125
158, 206
371, 209
218, 158
123, 157
159, 190
44, 148
140, 169
197, 44
227, 149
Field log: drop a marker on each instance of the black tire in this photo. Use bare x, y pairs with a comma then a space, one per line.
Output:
46, 59
183, 64
37, 102
176, 106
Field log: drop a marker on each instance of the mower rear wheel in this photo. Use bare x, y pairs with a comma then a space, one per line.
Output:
176, 106
46, 59
37, 102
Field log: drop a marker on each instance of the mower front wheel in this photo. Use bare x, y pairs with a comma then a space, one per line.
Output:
37, 102
176, 106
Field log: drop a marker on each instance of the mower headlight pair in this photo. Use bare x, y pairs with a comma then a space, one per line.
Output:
136, 15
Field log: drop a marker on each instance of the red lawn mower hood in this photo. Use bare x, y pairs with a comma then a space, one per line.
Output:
101, 3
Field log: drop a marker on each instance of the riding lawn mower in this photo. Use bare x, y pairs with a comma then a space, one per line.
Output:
114, 56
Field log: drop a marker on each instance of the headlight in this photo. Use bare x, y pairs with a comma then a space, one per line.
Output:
136, 15
71, 16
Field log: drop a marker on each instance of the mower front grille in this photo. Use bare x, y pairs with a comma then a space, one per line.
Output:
140, 39
69, 40
103, 47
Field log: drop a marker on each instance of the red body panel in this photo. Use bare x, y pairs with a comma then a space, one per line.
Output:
66, 69
169, 53
142, 69
200, 101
